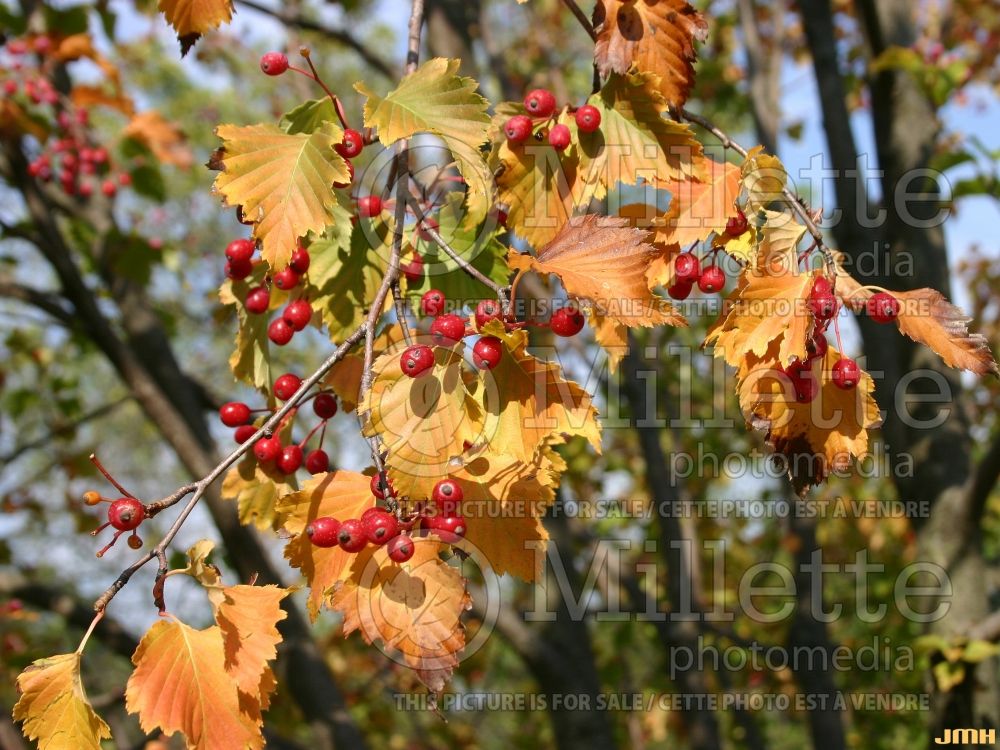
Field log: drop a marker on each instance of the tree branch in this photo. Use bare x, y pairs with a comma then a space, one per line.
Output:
286, 15
45, 301
62, 429
582, 18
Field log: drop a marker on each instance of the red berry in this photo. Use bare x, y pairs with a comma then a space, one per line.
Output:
298, 314
566, 321
352, 536
414, 270
447, 496
380, 526
267, 449
401, 548
280, 332
449, 528
126, 513
823, 305
680, 290
299, 261
369, 206
487, 310
325, 405
258, 300
817, 345
588, 118
416, 360
846, 374
559, 137
240, 250
447, 330
432, 303
236, 269
518, 128
124, 179
244, 432
286, 385
540, 103
234, 413
323, 531
317, 462
687, 268
804, 381
286, 279
376, 486
711, 280
737, 225
109, 188
487, 352
882, 307
822, 286
274, 63
290, 459
351, 144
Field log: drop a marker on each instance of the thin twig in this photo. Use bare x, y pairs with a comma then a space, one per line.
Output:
581, 17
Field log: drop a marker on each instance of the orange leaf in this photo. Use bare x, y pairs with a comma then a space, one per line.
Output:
699, 208
192, 18
816, 437
248, 616
926, 316
654, 35
412, 608
339, 494
180, 684
160, 136
54, 706
604, 260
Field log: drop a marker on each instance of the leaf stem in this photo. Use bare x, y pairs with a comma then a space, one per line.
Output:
341, 115
86, 636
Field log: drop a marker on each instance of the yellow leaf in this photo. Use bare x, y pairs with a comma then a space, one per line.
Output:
256, 491
763, 179
412, 608
603, 260
180, 684
192, 18
636, 142
699, 208
248, 617
340, 495
204, 572
657, 37
167, 142
435, 99
611, 335
345, 376
54, 706
529, 404
283, 182
422, 422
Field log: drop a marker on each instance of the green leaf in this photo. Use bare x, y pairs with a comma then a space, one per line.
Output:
309, 116
435, 99
978, 651
147, 180
476, 245
347, 274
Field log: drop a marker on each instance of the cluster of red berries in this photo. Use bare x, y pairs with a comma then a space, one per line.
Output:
298, 312
352, 143
380, 527
541, 107
124, 513
80, 165
688, 270
269, 450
